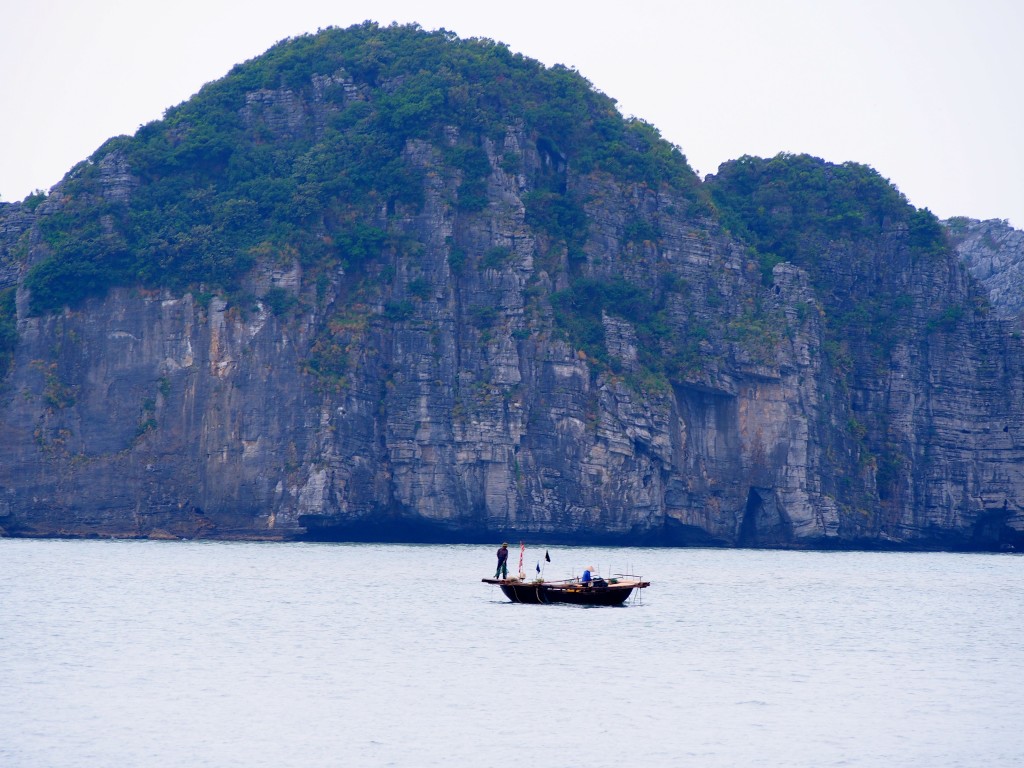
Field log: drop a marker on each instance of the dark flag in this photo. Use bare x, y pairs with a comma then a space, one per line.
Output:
538, 567
547, 556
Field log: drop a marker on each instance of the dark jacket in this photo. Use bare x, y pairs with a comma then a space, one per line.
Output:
502, 554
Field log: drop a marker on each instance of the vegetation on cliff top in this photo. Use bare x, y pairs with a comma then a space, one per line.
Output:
788, 205
836, 222
243, 168
303, 152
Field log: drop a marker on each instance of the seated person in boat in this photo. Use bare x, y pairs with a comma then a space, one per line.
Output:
590, 579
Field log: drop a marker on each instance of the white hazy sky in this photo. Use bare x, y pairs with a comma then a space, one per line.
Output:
928, 92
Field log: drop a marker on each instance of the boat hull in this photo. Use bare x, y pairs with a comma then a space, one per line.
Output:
543, 594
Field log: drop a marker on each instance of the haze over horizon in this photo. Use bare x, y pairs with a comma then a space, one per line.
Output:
923, 92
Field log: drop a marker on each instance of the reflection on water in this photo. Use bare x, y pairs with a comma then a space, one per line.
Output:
239, 654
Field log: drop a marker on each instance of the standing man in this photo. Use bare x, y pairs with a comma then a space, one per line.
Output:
502, 560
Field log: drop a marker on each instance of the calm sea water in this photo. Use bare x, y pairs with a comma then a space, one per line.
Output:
243, 654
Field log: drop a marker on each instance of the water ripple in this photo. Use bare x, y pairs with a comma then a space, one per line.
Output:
236, 654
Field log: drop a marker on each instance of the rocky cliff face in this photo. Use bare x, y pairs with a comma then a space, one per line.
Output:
994, 254
459, 407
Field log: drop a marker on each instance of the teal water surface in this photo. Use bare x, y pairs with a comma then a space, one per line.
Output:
120, 653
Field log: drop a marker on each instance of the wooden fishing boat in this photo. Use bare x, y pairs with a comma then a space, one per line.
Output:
613, 591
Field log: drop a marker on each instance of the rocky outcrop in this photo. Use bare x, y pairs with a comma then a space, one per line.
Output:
994, 253
433, 392
15, 221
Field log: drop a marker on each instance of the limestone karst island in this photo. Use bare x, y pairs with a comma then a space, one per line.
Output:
387, 284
